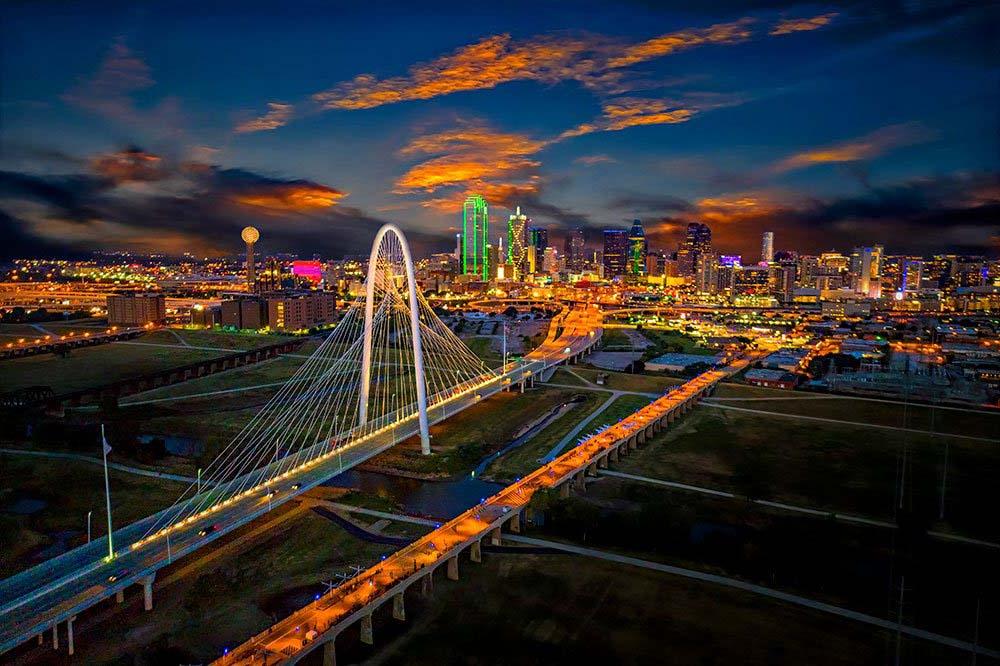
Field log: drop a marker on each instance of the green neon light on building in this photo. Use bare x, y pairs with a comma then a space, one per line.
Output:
475, 231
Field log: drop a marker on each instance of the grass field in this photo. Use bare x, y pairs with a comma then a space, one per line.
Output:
672, 341
94, 366
851, 469
561, 609
464, 439
624, 381
267, 372
918, 417
69, 490
524, 459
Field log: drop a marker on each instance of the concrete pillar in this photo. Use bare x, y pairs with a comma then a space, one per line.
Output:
564, 490
55, 636
41, 639
147, 592
613, 455
529, 515
476, 552
330, 653
632, 443
581, 484
453, 568
522, 386
515, 522
69, 635
120, 596
495, 537
427, 584
602, 462
366, 630
398, 608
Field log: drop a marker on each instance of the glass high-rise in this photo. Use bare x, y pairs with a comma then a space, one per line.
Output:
475, 231
637, 247
575, 259
615, 252
516, 230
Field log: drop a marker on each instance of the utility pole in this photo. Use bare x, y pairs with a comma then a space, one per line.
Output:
199, 480
105, 449
89, 513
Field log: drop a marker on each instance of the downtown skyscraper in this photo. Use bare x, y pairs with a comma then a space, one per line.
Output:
615, 252
516, 248
475, 231
637, 248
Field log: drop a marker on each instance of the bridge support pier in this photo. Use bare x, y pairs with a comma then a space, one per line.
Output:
515, 523
147, 592
564, 489
453, 568
613, 456
529, 516
398, 609
69, 635
591, 469
476, 552
581, 483
602, 462
120, 596
427, 584
41, 639
367, 637
55, 636
495, 537
330, 653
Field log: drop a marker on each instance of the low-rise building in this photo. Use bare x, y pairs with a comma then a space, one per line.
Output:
767, 378
136, 309
678, 362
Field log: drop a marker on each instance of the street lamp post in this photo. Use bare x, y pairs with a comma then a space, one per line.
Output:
89, 514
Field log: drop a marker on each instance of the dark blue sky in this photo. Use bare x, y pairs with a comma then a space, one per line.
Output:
168, 126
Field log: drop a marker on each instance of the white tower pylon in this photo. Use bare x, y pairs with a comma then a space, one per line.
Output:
418, 354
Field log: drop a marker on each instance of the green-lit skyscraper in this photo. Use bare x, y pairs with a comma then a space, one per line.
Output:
475, 230
637, 248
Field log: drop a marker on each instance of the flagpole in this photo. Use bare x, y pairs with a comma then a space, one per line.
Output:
107, 492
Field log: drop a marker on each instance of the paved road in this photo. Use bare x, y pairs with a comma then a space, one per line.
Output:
821, 419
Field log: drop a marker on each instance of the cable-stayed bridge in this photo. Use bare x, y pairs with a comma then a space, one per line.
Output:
386, 372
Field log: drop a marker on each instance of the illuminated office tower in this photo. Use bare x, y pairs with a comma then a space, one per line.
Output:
475, 230
615, 252
250, 236
767, 248
574, 250
913, 274
866, 270
637, 247
516, 229
539, 237
697, 241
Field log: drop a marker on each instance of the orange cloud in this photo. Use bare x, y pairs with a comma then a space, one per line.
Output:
863, 148
720, 33
498, 59
129, 165
802, 24
485, 64
277, 116
299, 197
471, 156
626, 112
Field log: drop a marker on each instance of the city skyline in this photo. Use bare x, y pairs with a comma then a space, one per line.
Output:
742, 118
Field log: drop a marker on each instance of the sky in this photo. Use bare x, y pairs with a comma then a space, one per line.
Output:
165, 127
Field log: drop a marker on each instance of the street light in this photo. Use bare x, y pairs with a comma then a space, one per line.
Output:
88, 525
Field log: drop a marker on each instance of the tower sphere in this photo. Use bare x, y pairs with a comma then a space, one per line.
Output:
249, 235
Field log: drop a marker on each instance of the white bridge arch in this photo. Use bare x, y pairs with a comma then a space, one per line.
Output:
371, 284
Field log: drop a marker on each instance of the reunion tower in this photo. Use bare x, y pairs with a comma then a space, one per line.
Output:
250, 236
